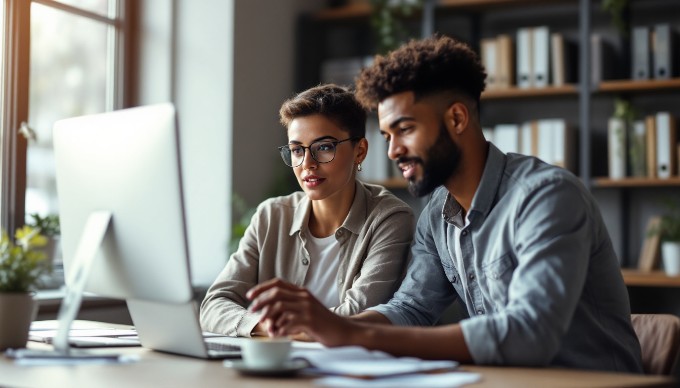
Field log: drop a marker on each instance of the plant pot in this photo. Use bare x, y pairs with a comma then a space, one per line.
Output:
670, 254
17, 310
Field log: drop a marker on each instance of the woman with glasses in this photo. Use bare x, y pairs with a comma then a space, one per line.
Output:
344, 241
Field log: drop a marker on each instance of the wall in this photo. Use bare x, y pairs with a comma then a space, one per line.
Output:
185, 56
227, 65
264, 33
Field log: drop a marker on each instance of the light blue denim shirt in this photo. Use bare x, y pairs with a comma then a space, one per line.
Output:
542, 282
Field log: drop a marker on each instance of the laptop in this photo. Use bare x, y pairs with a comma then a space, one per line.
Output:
175, 328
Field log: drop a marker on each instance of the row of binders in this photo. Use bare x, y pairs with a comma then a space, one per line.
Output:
652, 52
550, 140
647, 148
541, 59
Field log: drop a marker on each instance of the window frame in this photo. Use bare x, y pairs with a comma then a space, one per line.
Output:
16, 56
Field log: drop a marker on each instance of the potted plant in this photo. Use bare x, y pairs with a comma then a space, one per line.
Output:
22, 264
669, 231
47, 226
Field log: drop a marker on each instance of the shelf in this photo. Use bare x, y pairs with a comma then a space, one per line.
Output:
481, 4
350, 11
357, 10
514, 92
634, 277
638, 85
636, 182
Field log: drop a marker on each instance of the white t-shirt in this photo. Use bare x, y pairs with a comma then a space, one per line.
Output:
322, 275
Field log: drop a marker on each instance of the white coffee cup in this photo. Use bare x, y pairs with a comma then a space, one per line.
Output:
266, 353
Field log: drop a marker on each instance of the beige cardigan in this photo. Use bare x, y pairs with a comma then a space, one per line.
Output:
375, 240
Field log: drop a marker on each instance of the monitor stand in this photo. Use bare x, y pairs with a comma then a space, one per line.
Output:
86, 252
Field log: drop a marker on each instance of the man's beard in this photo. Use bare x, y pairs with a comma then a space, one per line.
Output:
443, 159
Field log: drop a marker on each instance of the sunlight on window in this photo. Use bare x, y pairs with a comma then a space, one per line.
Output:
97, 6
2, 60
68, 77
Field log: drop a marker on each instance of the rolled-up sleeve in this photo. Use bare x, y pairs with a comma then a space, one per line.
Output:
426, 291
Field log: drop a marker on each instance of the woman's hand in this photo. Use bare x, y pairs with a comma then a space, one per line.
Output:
291, 310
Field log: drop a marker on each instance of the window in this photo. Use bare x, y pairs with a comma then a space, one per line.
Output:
73, 68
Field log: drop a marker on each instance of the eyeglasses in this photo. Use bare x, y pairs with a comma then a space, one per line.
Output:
323, 151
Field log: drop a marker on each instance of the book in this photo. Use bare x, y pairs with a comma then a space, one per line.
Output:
650, 129
649, 254
505, 70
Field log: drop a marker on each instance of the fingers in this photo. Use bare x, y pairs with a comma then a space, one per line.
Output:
269, 284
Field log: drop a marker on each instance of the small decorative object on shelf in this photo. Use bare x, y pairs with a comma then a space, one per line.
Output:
616, 9
22, 265
669, 231
386, 20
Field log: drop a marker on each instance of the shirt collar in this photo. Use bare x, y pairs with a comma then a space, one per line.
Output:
355, 220
483, 200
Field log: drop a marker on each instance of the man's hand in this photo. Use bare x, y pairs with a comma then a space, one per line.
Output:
291, 310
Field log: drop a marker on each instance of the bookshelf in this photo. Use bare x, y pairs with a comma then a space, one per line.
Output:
637, 278
626, 203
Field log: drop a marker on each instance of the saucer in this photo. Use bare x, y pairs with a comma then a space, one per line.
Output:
288, 369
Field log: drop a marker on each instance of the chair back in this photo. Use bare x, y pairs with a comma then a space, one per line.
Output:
659, 336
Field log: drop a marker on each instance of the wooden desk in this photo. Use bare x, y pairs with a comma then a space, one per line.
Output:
156, 369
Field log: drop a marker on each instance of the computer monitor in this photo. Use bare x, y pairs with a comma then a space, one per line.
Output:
127, 164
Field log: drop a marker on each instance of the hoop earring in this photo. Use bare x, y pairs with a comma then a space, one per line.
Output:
359, 167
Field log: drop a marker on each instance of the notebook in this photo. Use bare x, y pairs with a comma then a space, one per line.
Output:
175, 328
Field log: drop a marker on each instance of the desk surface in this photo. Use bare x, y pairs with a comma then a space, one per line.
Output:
155, 369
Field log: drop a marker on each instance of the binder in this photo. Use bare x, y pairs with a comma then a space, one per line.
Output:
663, 53
602, 56
524, 60
505, 76
666, 145
541, 56
376, 166
616, 140
526, 139
563, 144
506, 137
490, 61
640, 53
650, 129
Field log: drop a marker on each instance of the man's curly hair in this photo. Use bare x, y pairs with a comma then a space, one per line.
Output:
427, 66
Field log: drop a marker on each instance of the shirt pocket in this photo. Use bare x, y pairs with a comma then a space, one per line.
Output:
498, 275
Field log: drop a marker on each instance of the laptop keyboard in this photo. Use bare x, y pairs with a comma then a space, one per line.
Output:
221, 347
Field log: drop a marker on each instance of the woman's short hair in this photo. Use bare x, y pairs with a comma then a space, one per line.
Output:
336, 103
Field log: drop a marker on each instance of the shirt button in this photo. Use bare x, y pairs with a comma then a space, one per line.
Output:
454, 279
472, 276
464, 233
338, 233
305, 261
341, 281
480, 312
